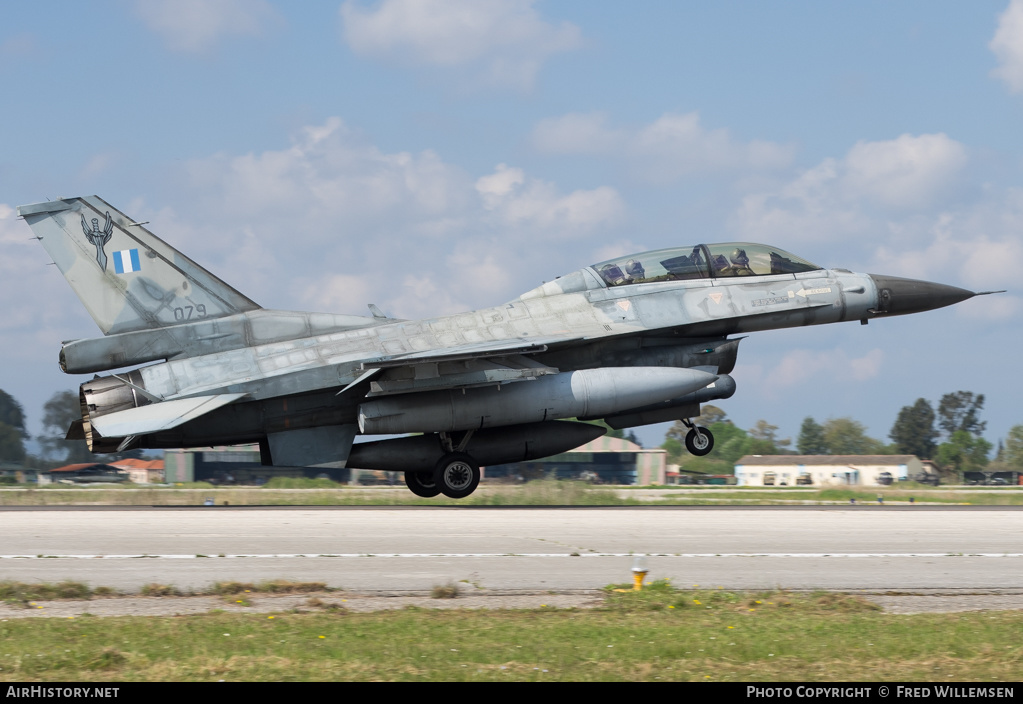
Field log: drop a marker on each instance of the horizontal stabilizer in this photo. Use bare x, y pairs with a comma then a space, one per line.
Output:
159, 416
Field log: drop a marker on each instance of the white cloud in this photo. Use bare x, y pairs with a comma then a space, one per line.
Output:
338, 292
96, 165
996, 307
809, 208
25, 267
519, 201
801, 368
906, 172
978, 246
330, 175
331, 222
617, 248
866, 367
671, 147
499, 42
579, 133
197, 25
889, 207
499, 185
876, 188
1007, 44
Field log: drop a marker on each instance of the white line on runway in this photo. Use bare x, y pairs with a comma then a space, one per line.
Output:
537, 554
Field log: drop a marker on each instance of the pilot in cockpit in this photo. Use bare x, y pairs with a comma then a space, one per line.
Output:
740, 263
614, 276
635, 270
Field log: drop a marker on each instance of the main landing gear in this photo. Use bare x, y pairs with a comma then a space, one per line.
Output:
699, 440
456, 474
422, 484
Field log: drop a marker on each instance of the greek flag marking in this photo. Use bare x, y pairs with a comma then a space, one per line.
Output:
126, 260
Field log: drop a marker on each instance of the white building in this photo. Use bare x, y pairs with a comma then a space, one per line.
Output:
826, 470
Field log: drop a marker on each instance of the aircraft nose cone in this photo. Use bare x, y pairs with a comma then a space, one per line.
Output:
898, 296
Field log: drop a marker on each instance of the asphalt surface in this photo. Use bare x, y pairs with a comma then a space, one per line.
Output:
412, 549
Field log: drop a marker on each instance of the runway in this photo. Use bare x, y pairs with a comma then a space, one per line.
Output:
406, 549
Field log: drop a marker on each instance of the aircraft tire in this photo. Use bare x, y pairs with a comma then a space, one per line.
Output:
421, 484
457, 475
699, 441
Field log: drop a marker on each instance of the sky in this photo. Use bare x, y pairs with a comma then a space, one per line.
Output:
436, 156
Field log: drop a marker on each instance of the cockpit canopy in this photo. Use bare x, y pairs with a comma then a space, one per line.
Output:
702, 261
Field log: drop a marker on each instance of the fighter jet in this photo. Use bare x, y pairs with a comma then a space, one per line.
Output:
639, 339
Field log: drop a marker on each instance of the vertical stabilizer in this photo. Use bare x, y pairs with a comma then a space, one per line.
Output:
127, 278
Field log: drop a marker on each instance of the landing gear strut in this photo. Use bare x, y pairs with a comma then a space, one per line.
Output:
699, 440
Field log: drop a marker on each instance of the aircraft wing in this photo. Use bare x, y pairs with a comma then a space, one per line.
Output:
463, 366
159, 416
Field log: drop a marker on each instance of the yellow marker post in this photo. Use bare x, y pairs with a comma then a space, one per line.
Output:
639, 572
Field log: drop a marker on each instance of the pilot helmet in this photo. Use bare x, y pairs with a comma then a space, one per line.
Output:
634, 269
739, 257
613, 275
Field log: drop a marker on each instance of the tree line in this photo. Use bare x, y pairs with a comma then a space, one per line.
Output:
59, 412
949, 436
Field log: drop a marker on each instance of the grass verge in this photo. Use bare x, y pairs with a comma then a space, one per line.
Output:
660, 633
316, 492
21, 592
537, 493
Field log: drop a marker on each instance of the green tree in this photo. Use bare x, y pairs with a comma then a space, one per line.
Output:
59, 412
12, 429
12, 445
11, 413
964, 452
765, 441
961, 411
914, 432
675, 450
709, 415
1012, 454
730, 443
845, 436
811, 438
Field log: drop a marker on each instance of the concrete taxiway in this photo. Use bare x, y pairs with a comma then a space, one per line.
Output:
416, 548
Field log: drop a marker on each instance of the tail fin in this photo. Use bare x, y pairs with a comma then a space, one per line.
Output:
126, 277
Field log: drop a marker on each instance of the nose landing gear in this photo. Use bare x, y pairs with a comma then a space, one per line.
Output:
699, 440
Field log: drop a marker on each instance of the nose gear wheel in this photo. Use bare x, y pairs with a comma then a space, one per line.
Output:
699, 441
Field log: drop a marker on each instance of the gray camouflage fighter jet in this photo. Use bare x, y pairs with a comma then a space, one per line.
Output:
640, 339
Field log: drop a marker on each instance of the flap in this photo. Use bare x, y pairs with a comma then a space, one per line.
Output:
159, 416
